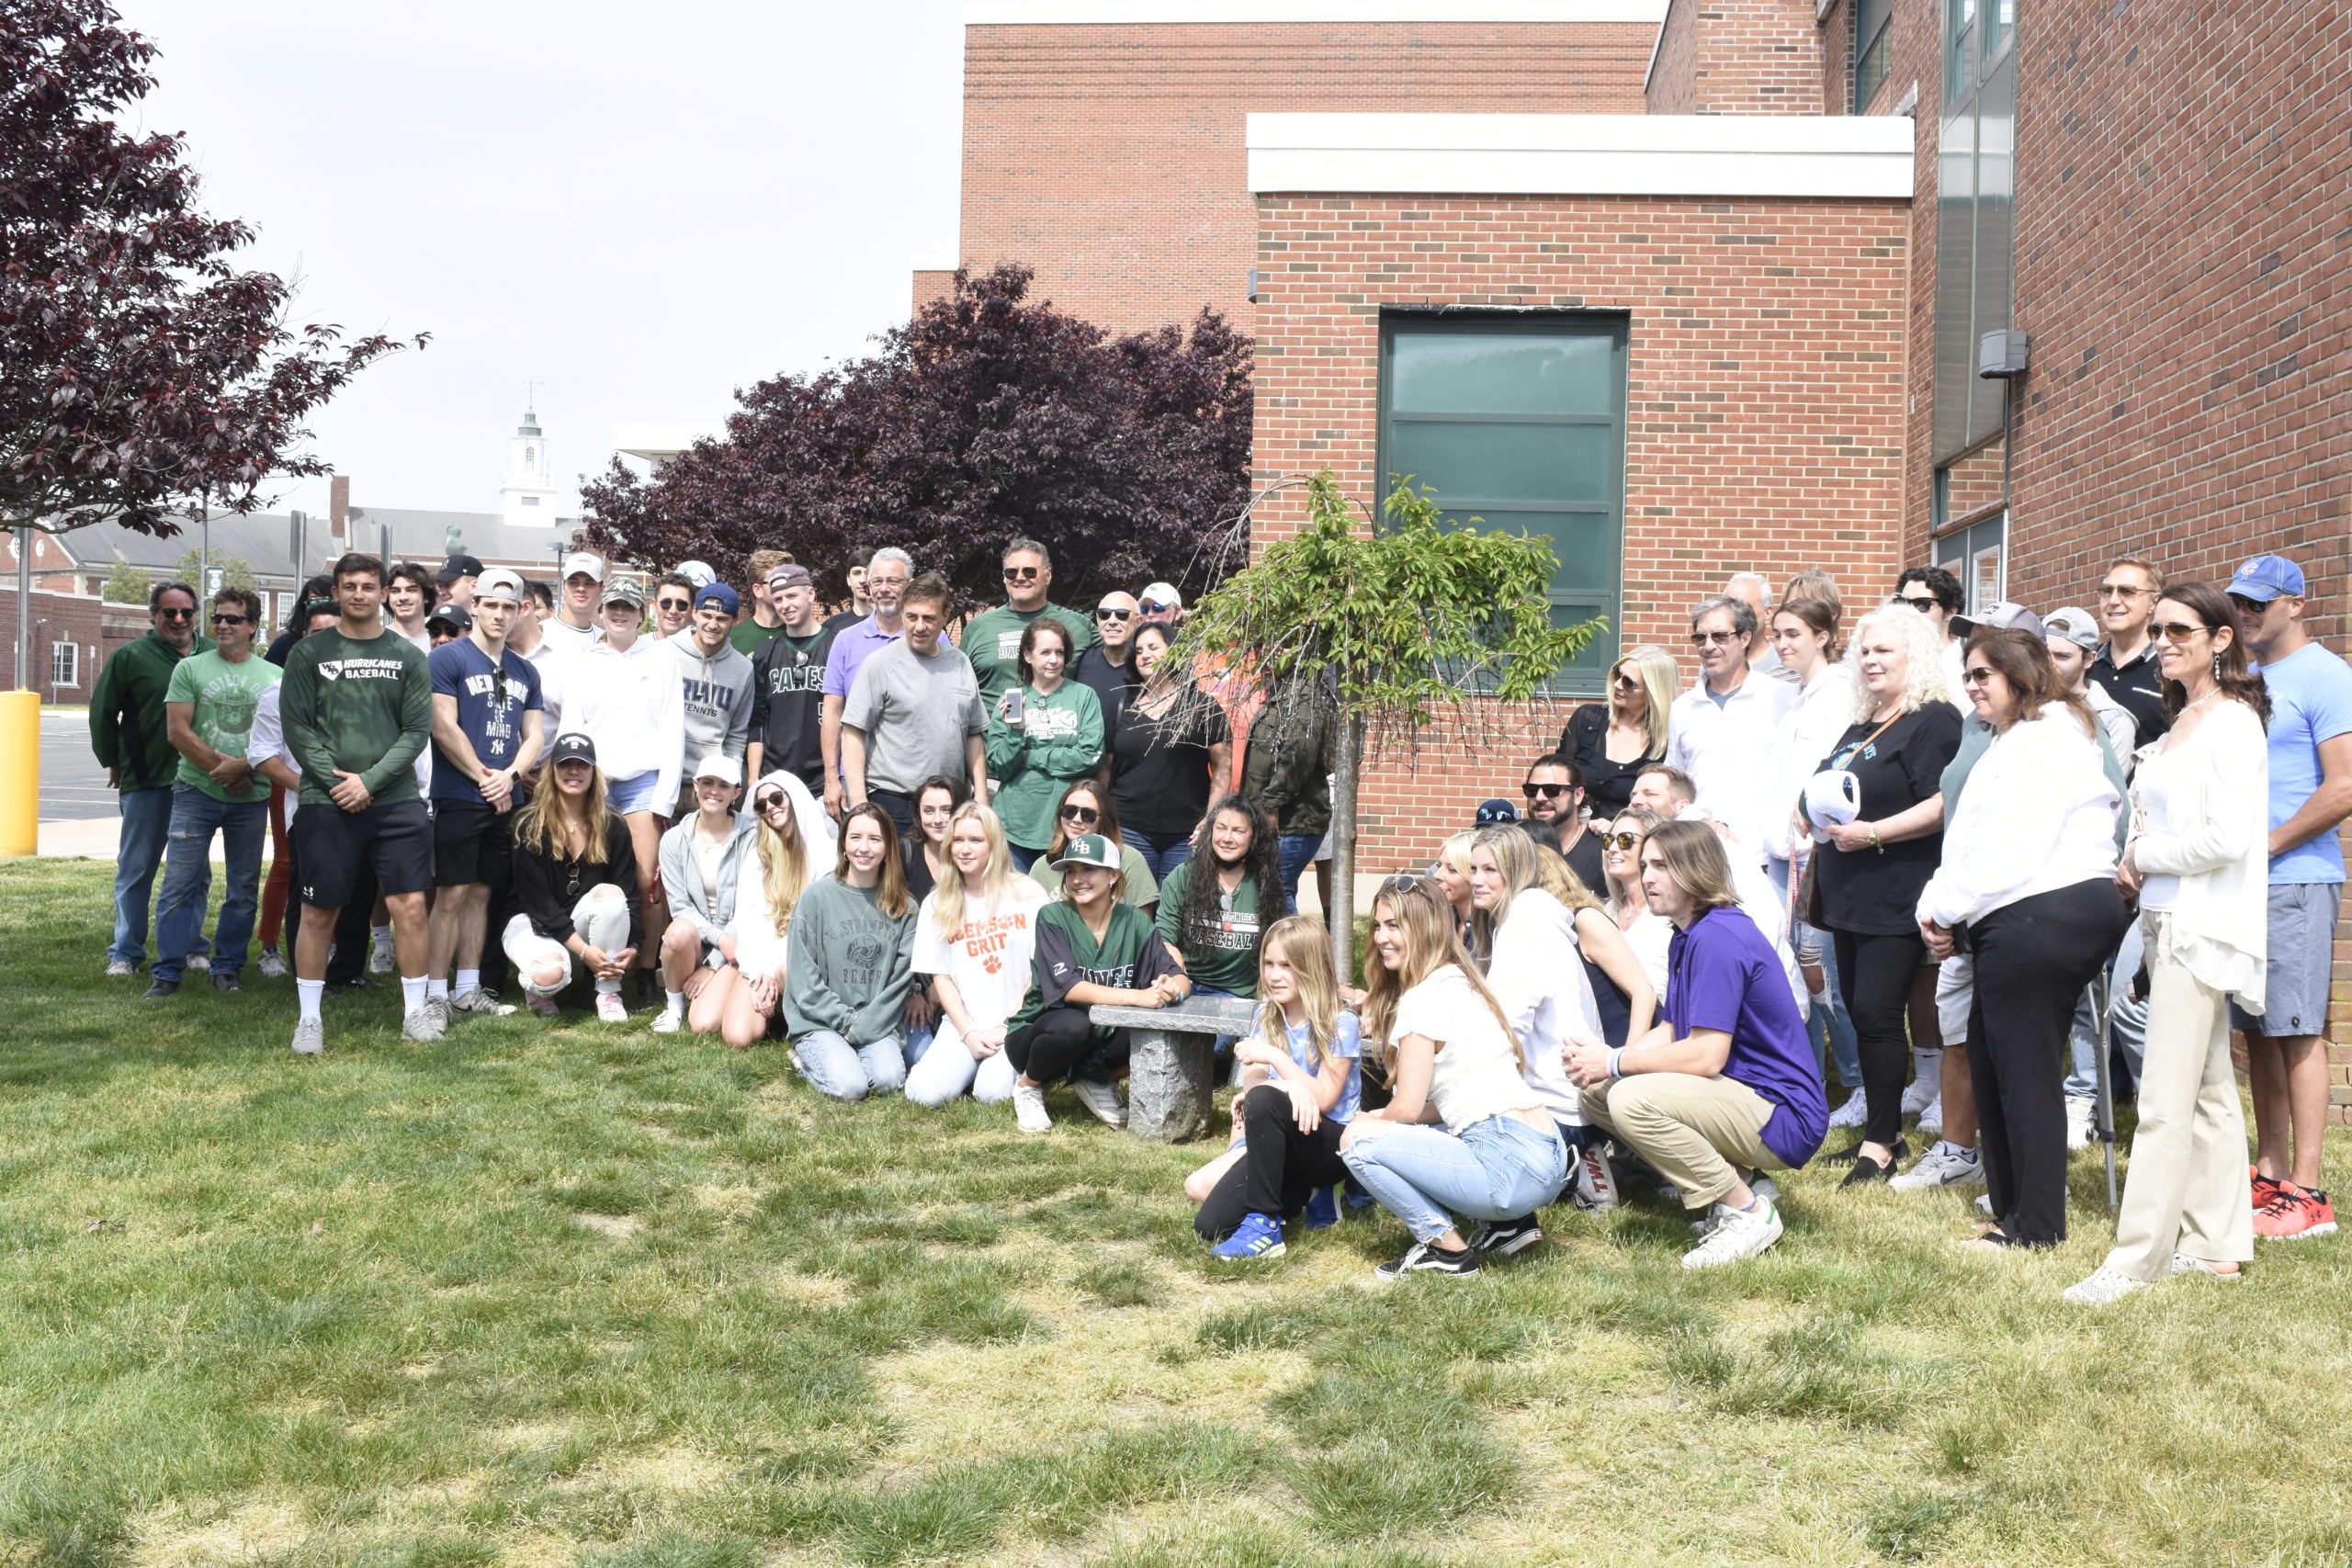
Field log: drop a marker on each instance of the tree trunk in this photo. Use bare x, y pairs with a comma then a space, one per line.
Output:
1341, 915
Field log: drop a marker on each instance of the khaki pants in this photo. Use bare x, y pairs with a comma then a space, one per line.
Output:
1691, 1130
2186, 1189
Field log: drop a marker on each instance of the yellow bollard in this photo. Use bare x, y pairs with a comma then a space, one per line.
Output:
19, 772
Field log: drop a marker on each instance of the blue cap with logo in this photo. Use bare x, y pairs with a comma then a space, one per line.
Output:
718, 594
2265, 578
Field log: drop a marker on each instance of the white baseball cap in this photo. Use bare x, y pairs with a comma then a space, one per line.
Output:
580, 562
498, 582
1161, 593
719, 766
697, 572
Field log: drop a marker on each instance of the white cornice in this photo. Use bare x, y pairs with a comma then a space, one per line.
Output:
1583, 154
1145, 13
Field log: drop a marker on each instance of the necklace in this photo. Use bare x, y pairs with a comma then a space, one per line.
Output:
2200, 702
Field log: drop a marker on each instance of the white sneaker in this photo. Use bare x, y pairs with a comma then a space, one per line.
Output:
1928, 1084
437, 1010
1102, 1099
1593, 1184
1854, 1113
310, 1037
2105, 1286
1941, 1166
475, 1000
272, 965
1931, 1117
2201, 1268
199, 964
668, 1021
1984, 1201
120, 968
1735, 1234
422, 1025
1029, 1109
2082, 1121
380, 960
610, 1009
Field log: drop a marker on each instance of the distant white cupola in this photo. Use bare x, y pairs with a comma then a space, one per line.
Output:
528, 496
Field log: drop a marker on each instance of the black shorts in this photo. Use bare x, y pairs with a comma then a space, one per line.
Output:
394, 839
472, 843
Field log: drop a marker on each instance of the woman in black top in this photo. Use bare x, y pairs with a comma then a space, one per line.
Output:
1871, 871
1171, 753
575, 880
1612, 743
923, 852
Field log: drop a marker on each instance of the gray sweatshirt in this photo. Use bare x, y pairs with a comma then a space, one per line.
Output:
682, 875
847, 966
717, 699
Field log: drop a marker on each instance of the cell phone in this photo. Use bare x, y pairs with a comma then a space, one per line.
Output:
1014, 704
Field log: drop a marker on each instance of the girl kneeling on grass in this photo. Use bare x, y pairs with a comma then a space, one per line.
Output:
975, 937
847, 966
1728, 1082
1440, 1037
1299, 1090
774, 876
1092, 950
575, 876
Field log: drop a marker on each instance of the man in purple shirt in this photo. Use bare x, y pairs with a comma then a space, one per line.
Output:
1727, 1083
886, 576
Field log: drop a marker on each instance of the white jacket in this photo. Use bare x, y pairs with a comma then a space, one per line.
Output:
1807, 734
1536, 971
2038, 815
632, 705
759, 948
2218, 796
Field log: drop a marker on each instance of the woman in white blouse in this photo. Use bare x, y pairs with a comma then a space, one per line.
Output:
2199, 860
1648, 933
1804, 636
2028, 882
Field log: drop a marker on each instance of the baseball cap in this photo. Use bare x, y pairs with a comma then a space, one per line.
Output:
1090, 849
719, 765
1162, 595
498, 582
697, 572
2074, 623
456, 567
2265, 578
718, 594
455, 616
791, 574
581, 562
2004, 617
625, 590
1492, 813
573, 747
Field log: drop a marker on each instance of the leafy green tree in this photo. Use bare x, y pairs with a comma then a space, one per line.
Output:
126, 584
1402, 629
234, 571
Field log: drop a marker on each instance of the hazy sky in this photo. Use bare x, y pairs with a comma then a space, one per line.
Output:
642, 206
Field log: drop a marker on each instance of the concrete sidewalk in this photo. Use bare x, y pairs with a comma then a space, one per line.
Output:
98, 838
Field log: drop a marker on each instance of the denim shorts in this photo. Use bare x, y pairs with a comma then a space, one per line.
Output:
625, 795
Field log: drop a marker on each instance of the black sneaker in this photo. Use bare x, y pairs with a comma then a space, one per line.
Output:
159, 991
225, 982
1422, 1258
1504, 1238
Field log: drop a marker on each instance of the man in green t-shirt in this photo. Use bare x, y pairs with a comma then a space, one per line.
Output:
991, 639
208, 709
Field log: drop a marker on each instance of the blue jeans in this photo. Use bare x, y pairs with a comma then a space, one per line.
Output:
842, 1071
1831, 1028
2127, 1022
1023, 856
1498, 1169
1297, 851
146, 827
188, 881
1161, 852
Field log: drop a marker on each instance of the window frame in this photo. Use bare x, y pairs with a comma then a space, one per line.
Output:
70, 654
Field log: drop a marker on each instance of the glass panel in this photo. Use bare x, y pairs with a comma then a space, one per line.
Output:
1995, 177
1870, 17
1476, 467
1955, 249
1501, 373
2000, 21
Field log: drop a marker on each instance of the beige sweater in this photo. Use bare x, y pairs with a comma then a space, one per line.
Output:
2219, 781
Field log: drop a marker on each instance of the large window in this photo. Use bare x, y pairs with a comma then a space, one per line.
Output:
1520, 421
1871, 42
1978, 556
1975, 199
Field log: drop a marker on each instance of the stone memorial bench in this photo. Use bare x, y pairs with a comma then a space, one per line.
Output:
1171, 1068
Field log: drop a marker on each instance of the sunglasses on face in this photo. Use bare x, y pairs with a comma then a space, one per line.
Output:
1619, 840
772, 802
171, 615
1108, 614
222, 618
1532, 790
1922, 605
2247, 607
2121, 591
680, 605
2179, 631
1080, 814
1153, 608
1976, 677
1019, 573
1702, 639
1624, 681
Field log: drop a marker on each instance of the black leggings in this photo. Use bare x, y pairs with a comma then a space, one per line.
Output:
1877, 973
1057, 1041
1277, 1171
2033, 958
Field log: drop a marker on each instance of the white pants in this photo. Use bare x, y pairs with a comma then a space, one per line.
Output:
948, 1070
601, 919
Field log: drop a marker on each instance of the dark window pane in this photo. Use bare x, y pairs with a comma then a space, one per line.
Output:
1500, 373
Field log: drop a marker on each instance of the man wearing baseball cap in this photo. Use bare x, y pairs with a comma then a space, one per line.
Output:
760, 625
574, 625
457, 578
488, 713
2072, 637
2311, 793
788, 685
716, 684
1161, 602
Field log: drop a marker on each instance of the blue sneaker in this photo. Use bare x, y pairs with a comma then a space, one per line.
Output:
1322, 1207
1358, 1197
1257, 1237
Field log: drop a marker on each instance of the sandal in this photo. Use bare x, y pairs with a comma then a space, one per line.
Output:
1867, 1170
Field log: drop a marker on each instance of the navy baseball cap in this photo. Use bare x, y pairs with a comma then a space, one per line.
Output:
1496, 812
718, 594
2265, 578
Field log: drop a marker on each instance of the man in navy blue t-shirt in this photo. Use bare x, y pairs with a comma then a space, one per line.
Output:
1728, 1082
487, 715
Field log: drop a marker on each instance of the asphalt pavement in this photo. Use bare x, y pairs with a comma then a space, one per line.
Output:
72, 786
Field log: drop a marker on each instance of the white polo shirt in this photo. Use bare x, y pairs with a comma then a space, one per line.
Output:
1726, 747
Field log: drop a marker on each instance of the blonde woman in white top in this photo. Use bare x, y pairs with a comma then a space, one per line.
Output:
1440, 1038
975, 937
2198, 861
773, 878
1648, 933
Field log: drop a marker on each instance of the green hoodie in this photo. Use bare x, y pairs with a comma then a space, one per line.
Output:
1059, 739
847, 966
362, 707
127, 729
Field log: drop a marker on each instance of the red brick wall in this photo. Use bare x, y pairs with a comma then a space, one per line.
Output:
1112, 158
1764, 395
1739, 57
932, 284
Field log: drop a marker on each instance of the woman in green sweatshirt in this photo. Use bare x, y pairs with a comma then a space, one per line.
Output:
1055, 736
849, 963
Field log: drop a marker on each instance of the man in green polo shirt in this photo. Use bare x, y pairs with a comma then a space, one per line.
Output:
991, 639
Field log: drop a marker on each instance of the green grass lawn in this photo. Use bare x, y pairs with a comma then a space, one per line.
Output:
587, 1295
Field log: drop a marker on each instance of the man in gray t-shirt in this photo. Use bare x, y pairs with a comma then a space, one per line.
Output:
914, 710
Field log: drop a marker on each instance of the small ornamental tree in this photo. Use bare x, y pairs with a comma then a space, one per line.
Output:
125, 584
1396, 629
235, 572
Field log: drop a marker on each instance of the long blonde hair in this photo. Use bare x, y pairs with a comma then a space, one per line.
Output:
1431, 943
1524, 864
1923, 659
1655, 669
784, 864
996, 877
890, 888
1305, 946
543, 826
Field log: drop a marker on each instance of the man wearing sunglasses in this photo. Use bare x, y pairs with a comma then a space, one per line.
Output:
129, 733
208, 714
2126, 666
1110, 668
991, 639
1554, 791
1721, 732
673, 603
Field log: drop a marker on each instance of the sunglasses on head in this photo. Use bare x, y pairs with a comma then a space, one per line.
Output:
2178, 631
1532, 790
1110, 614
1019, 573
1405, 881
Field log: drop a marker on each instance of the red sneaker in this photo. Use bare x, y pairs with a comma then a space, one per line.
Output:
2297, 1213
2266, 1188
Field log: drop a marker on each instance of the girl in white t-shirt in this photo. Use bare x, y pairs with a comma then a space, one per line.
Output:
974, 938
1439, 1035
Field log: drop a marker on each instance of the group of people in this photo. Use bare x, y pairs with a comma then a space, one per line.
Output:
1948, 859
